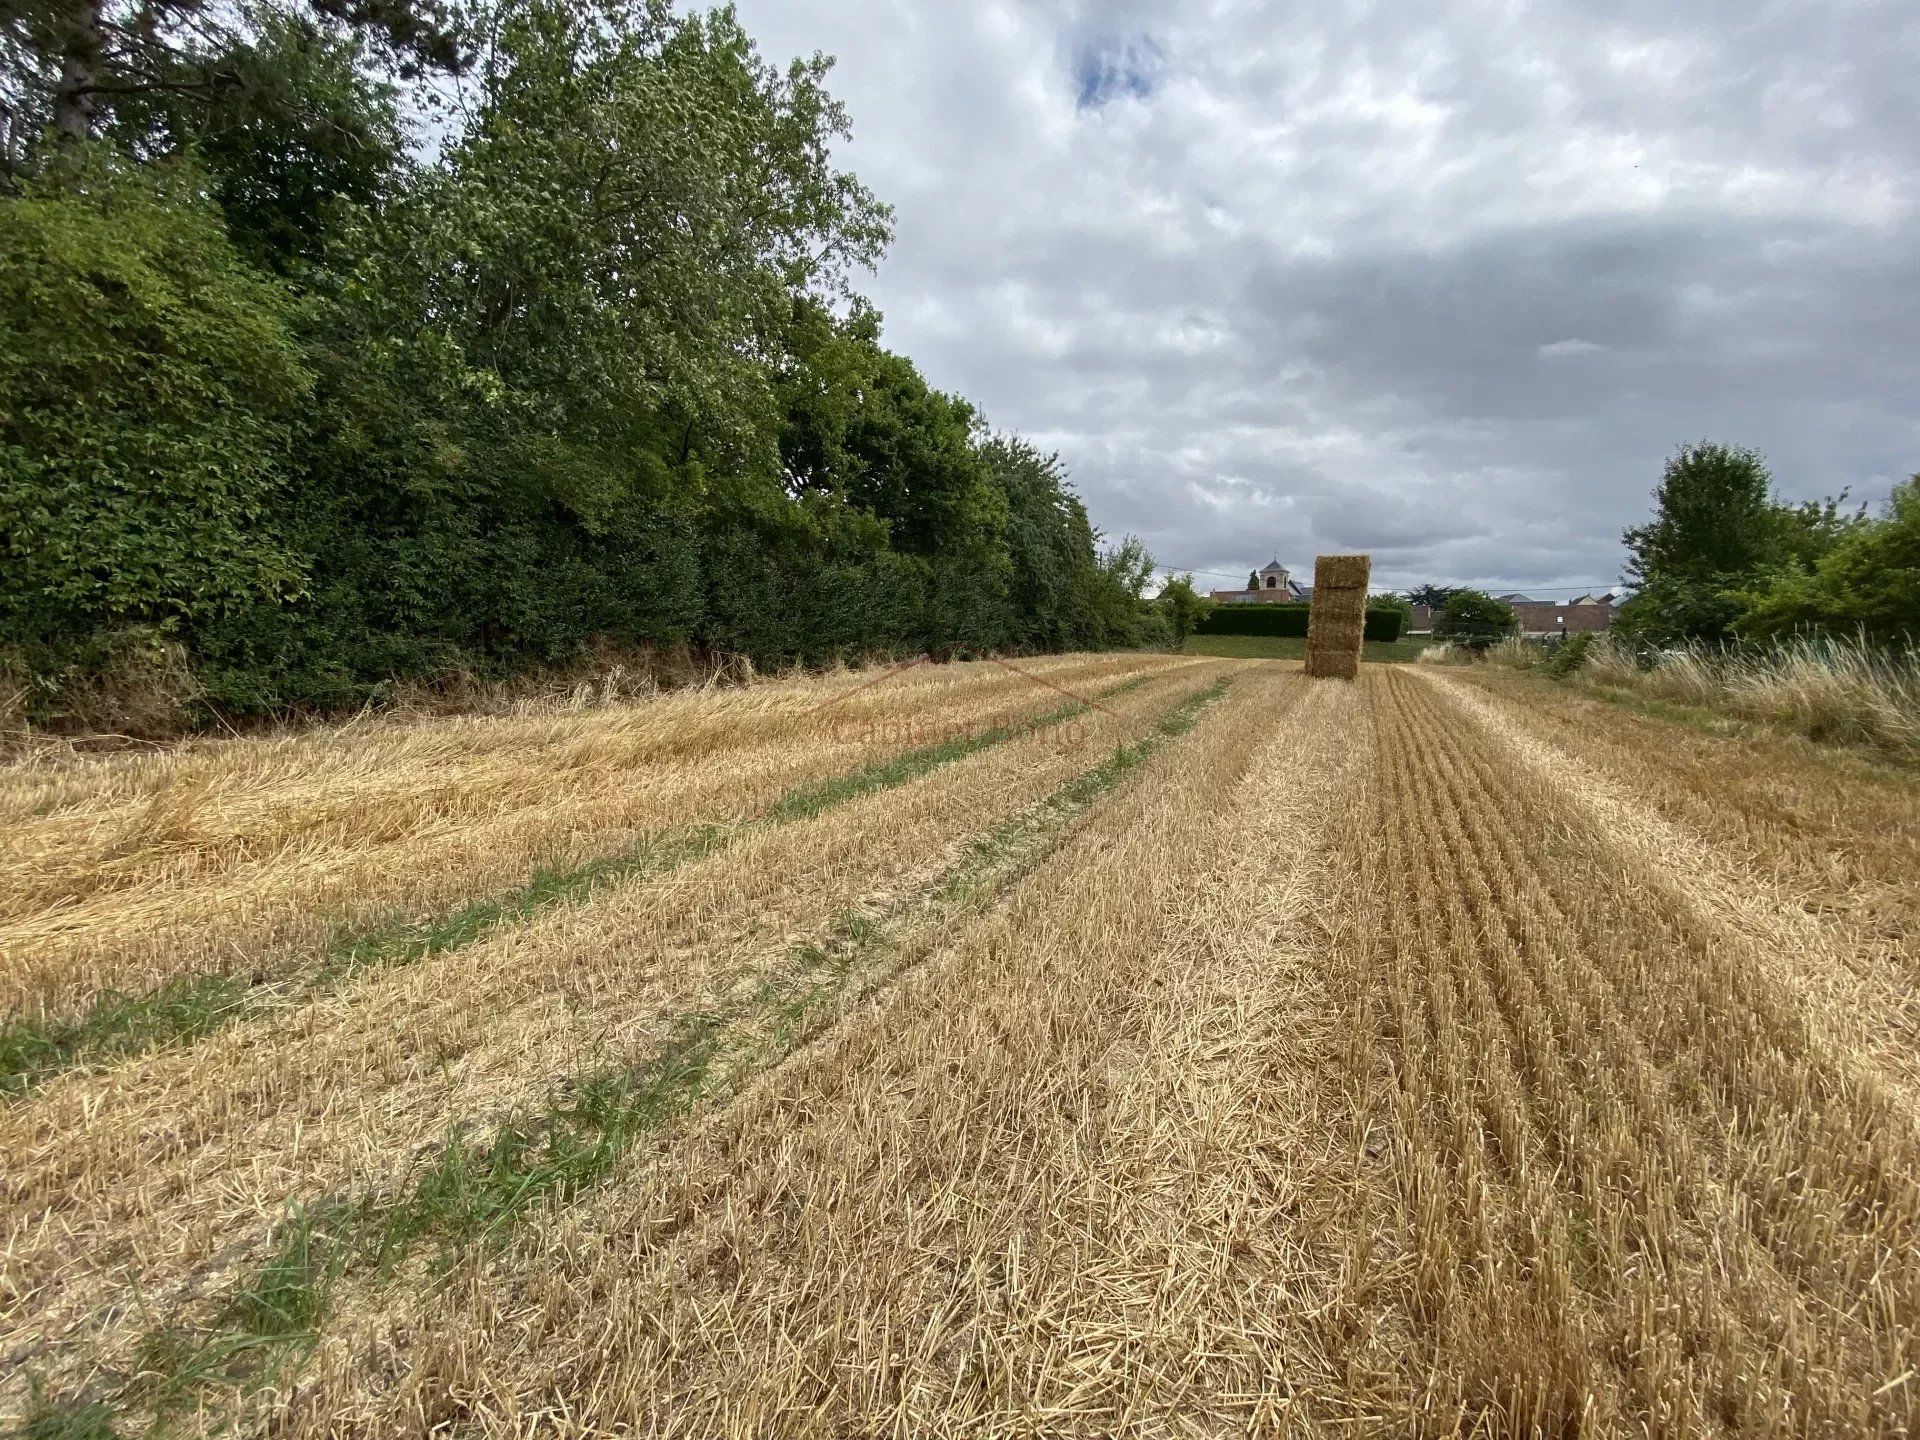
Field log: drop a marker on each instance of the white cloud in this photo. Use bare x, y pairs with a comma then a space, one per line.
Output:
1286, 277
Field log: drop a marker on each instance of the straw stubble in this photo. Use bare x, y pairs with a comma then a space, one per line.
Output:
1404, 1057
148, 1174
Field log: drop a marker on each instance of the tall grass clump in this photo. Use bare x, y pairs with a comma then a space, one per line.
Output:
1571, 654
1829, 689
1515, 653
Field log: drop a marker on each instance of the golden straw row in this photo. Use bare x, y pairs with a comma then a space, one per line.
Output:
1824, 846
1049, 1185
157, 1174
169, 866
1625, 1186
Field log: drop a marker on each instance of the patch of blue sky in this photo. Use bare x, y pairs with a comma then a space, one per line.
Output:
1115, 67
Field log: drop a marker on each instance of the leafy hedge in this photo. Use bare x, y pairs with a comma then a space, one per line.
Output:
1255, 620
415, 419
1383, 622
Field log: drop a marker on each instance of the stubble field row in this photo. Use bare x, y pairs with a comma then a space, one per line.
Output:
1130, 1045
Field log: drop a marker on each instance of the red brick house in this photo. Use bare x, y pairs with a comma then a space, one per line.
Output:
1577, 616
1540, 617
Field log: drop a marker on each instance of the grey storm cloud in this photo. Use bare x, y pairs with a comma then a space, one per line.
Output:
1443, 281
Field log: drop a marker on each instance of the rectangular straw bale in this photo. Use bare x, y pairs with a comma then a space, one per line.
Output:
1337, 620
1341, 572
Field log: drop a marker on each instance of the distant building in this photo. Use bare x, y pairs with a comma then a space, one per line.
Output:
1577, 616
1271, 585
1539, 617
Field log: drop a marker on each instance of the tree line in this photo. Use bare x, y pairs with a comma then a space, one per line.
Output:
349, 340
1725, 562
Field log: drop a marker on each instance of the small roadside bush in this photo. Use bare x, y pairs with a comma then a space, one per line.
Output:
1571, 655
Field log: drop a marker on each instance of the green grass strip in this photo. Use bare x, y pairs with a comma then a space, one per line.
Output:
806, 801
116, 1024
985, 858
479, 1186
119, 1024
182, 1010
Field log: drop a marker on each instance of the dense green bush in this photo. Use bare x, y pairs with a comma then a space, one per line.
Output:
1386, 622
1390, 603
306, 416
1717, 540
1255, 620
1182, 608
1383, 622
1474, 620
147, 379
1866, 584
1570, 654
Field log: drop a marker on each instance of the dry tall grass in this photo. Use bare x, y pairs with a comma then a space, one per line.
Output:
1828, 690
1512, 651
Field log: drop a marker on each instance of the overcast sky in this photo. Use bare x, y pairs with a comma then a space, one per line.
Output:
1445, 282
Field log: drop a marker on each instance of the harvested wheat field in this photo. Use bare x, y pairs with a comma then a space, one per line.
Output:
1101, 1045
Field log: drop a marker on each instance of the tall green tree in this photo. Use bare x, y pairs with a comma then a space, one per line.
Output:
1430, 595
917, 463
1475, 620
1715, 527
606, 252
1867, 582
306, 133
1048, 539
70, 69
1183, 606
328, 413
546, 380
1808, 530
